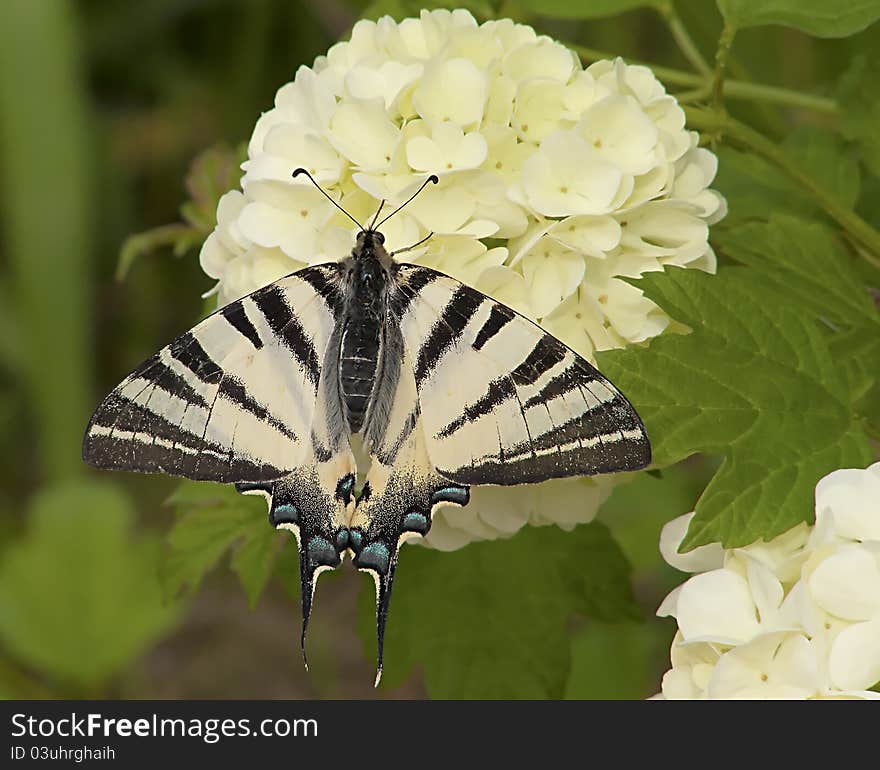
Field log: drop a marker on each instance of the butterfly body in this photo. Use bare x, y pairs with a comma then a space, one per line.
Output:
445, 387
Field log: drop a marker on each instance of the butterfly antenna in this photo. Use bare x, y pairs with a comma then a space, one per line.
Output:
433, 179
323, 192
414, 246
373, 223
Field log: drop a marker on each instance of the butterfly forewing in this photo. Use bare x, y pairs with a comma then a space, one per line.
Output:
502, 401
233, 399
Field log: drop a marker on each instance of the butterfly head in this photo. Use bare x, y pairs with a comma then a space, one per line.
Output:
371, 240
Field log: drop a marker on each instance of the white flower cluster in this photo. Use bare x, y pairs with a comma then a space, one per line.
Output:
555, 182
798, 617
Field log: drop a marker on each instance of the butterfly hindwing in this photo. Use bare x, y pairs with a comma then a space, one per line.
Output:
502, 401
401, 491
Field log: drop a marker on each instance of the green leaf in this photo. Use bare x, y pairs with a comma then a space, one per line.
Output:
617, 661
212, 519
821, 18
806, 263
585, 9
755, 382
825, 157
754, 188
859, 96
79, 595
490, 620
213, 173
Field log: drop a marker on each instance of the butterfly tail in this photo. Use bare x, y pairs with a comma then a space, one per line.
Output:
384, 584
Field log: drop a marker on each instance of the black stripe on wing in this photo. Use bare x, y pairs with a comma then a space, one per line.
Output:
120, 426
192, 355
499, 317
288, 329
447, 330
237, 318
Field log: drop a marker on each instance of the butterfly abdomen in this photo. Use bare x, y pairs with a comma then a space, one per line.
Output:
361, 342
358, 361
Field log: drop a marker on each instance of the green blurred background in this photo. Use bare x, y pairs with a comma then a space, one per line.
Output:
104, 104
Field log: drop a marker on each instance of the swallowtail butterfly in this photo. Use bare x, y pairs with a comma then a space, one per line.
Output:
445, 387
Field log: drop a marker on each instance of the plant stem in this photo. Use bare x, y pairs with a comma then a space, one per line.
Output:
866, 238
683, 39
733, 89
721, 55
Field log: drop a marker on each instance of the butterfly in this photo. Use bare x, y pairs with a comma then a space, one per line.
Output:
444, 387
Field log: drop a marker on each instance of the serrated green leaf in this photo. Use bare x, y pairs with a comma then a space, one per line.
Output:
79, 595
254, 560
859, 96
490, 620
755, 382
821, 18
584, 9
806, 263
174, 236
212, 519
857, 351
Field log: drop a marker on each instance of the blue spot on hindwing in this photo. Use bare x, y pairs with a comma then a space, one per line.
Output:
356, 539
451, 494
322, 553
416, 521
284, 513
375, 556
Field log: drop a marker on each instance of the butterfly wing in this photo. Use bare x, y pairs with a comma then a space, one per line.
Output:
503, 402
482, 396
240, 398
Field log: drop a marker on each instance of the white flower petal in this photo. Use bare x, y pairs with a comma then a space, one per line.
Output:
855, 656
701, 559
363, 133
543, 58
538, 108
717, 606
620, 132
772, 666
565, 177
853, 497
847, 584
452, 91
590, 235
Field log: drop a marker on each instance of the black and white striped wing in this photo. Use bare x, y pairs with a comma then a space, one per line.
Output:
502, 401
233, 399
